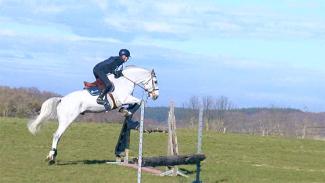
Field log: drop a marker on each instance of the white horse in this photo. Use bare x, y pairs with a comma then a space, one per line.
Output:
67, 108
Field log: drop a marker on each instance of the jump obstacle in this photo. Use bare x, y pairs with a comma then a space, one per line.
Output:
171, 161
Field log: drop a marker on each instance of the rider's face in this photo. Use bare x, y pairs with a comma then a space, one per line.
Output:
125, 58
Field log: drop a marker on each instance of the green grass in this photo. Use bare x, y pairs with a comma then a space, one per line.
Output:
84, 146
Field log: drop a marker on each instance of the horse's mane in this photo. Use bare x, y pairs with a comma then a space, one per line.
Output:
133, 67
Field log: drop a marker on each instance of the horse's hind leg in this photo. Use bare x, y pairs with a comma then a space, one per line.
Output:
56, 138
65, 120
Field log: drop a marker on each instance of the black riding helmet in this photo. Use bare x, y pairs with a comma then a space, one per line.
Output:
124, 52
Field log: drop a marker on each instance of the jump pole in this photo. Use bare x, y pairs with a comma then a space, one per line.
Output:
140, 141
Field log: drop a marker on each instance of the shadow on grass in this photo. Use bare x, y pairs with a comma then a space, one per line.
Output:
96, 162
86, 162
221, 180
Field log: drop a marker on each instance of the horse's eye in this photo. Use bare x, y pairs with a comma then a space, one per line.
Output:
156, 82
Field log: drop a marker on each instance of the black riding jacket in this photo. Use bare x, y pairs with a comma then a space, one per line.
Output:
109, 65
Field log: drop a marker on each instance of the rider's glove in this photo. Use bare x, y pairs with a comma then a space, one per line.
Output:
118, 73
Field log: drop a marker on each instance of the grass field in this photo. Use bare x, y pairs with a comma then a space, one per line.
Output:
85, 146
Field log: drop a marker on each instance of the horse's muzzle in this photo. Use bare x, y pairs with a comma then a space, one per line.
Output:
154, 95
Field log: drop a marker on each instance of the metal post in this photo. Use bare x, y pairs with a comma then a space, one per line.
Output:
199, 145
140, 141
198, 171
200, 126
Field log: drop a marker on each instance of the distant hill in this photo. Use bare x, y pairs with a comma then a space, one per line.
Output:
160, 114
26, 102
260, 121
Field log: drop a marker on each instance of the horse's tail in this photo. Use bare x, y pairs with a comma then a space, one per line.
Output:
48, 111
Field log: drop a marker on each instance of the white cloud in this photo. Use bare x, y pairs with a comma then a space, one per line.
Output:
186, 19
102, 4
225, 26
149, 17
98, 39
249, 64
118, 23
282, 98
7, 32
204, 19
172, 8
302, 4
48, 8
144, 26
158, 27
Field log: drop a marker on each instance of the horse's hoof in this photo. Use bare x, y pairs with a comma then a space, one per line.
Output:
51, 162
118, 159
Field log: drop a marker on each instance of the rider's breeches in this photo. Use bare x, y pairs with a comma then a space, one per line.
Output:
102, 76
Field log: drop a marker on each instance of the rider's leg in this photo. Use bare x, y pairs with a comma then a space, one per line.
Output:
108, 86
100, 99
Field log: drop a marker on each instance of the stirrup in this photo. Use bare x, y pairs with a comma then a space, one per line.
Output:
100, 101
104, 102
107, 106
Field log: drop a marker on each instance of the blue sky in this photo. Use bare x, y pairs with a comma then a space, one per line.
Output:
256, 53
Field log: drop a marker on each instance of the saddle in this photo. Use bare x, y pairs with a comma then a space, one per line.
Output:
95, 87
98, 83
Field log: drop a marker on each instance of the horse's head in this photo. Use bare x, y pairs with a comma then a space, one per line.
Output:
146, 79
151, 86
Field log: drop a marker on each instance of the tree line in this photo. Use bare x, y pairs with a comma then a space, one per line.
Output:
26, 102
22, 102
220, 114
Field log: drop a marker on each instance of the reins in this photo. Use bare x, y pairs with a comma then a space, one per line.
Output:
151, 78
136, 83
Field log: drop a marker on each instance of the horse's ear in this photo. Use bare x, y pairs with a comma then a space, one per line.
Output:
153, 72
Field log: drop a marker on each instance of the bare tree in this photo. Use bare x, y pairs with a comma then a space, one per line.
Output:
194, 105
222, 104
207, 102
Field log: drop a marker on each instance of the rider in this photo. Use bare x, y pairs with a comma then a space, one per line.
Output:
110, 65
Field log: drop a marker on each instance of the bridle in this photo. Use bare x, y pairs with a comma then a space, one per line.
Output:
152, 75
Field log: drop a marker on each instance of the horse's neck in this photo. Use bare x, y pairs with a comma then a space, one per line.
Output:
137, 75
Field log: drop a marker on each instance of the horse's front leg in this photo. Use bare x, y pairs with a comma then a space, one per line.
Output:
133, 105
123, 142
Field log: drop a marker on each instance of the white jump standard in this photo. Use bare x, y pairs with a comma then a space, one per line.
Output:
147, 164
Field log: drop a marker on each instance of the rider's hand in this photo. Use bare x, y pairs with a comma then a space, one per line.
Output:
118, 74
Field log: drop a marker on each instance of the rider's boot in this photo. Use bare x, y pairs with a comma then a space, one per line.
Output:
100, 99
